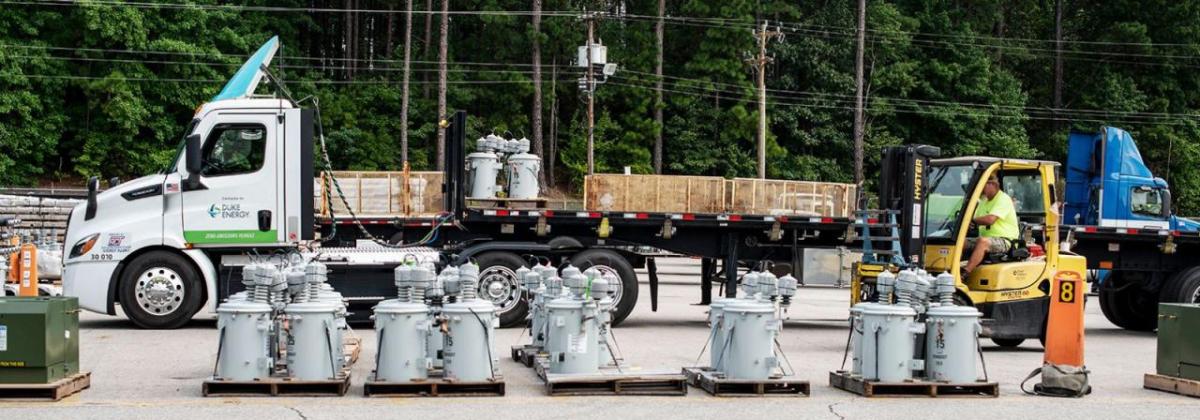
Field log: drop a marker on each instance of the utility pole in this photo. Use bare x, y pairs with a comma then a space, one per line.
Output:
408, 8
859, 122
591, 94
443, 48
760, 64
537, 84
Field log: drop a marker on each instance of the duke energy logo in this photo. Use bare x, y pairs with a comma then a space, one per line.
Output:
227, 211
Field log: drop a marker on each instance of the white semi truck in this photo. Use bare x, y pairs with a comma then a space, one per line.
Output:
167, 246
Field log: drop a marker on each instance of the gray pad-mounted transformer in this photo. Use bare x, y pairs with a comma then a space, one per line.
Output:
470, 330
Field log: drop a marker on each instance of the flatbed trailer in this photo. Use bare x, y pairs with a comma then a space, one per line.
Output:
505, 238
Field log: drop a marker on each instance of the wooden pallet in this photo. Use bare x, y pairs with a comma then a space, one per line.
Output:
526, 354
1174, 385
273, 387
844, 381
53, 391
434, 387
717, 385
611, 382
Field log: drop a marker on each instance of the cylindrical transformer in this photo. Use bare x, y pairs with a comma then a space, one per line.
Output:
312, 341
571, 344
750, 328
887, 342
717, 343
469, 336
401, 328
245, 329
951, 343
483, 168
523, 176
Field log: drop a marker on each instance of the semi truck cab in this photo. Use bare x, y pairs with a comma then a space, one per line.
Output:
239, 179
1109, 185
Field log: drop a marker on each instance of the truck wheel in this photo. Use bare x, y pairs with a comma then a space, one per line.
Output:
610, 262
1008, 342
160, 290
1127, 306
1183, 287
498, 283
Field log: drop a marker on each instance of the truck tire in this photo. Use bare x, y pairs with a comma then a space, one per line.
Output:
160, 290
1183, 287
1126, 305
612, 262
498, 283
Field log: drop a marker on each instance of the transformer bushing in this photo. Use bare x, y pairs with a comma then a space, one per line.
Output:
469, 330
402, 326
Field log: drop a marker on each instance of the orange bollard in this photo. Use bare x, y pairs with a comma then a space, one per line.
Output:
1064, 326
27, 275
1062, 370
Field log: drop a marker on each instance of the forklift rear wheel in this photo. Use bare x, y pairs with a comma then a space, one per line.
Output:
1008, 342
609, 262
160, 290
498, 283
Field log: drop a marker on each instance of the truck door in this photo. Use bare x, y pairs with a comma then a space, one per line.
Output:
237, 202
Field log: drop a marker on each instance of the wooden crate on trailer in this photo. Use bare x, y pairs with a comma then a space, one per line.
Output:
381, 194
654, 193
783, 197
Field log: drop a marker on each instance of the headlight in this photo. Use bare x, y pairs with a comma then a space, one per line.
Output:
84, 245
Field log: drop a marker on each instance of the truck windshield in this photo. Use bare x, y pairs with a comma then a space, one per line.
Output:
948, 187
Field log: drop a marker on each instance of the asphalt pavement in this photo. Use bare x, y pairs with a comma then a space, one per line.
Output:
140, 374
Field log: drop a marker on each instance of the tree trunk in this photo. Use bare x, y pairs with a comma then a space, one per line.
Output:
553, 155
443, 46
427, 45
537, 84
348, 40
391, 29
658, 86
1058, 63
404, 83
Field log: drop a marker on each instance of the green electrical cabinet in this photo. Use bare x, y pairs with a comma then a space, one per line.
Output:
1179, 340
39, 339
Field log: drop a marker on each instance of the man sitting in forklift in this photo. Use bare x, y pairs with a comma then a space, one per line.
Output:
997, 220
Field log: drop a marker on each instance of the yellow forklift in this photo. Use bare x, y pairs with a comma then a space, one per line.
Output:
926, 206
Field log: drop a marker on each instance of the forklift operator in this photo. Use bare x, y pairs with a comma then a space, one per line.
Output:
997, 220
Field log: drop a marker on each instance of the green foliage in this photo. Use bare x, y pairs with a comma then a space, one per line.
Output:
101, 89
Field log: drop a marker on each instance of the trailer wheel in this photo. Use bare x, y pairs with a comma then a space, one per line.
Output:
160, 290
1183, 287
611, 262
498, 283
1126, 305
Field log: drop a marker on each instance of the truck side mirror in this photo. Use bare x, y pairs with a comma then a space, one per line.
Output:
192, 153
191, 161
1166, 203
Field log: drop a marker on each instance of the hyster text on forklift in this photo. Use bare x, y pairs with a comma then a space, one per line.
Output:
170, 245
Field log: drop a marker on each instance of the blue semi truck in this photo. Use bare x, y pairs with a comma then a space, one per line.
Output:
1118, 214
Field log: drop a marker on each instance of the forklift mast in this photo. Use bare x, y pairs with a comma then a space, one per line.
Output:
903, 177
